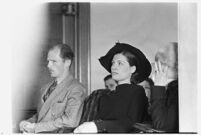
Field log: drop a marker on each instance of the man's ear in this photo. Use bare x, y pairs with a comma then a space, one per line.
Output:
133, 69
67, 62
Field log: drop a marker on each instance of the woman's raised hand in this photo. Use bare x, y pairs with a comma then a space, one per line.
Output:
160, 77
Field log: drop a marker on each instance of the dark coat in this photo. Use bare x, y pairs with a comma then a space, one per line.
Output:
164, 110
120, 109
91, 104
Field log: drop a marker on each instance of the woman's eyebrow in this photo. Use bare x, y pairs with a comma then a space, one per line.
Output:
121, 60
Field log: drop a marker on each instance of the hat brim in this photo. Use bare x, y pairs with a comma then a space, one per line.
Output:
143, 65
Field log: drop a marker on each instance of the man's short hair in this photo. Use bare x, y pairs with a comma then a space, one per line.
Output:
108, 77
168, 55
150, 81
65, 51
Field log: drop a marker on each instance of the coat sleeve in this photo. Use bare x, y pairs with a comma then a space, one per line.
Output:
71, 115
33, 119
136, 112
164, 115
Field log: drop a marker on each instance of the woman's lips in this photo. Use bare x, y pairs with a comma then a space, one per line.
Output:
114, 73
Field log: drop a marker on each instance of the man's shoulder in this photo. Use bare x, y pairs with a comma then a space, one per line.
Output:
76, 88
75, 84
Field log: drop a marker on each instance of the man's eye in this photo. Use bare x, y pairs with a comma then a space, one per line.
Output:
120, 63
111, 85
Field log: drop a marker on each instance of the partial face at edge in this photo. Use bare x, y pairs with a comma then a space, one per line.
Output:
145, 84
110, 84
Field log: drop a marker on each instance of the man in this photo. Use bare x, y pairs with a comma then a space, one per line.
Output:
62, 100
164, 109
110, 83
147, 85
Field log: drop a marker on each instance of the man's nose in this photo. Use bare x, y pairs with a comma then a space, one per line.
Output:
49, 64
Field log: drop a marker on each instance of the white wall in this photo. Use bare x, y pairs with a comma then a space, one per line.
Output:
29, 30
144, 25
188, 90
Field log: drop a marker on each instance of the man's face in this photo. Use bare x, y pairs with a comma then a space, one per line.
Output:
110, 84
56, 64
147, 88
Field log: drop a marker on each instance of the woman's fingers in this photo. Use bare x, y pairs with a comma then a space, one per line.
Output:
159, 66
160, 75
156, 67
165, 70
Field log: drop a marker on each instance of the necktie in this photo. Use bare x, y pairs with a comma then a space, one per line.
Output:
50, 90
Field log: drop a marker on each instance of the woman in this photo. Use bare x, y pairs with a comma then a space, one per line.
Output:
164, 109
125, 106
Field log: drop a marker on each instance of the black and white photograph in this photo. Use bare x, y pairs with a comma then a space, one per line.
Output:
88, 67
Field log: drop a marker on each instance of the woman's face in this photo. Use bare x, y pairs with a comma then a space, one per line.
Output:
121, 70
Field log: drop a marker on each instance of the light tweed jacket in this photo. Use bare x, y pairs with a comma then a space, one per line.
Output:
63, 108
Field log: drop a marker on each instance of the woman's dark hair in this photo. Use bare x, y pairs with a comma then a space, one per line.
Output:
132, 60
108, 77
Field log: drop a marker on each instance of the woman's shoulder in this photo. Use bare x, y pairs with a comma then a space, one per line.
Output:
131, 87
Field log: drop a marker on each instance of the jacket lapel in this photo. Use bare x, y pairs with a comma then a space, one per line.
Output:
59, 88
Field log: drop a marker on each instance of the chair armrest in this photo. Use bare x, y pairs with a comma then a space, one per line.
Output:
60, 130
145, 128
67, 130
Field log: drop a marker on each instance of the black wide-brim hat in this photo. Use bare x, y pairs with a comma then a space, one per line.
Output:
143, 66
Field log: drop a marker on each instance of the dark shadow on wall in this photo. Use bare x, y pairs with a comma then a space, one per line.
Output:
61, 27
30, 95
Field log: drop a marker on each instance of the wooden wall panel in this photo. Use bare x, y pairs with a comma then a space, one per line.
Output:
84, 45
